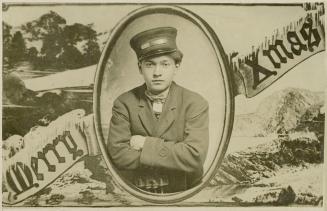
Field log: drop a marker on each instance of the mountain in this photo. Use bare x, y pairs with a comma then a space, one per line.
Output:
282, 111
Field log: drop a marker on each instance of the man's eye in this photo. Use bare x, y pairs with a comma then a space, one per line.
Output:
148, 64
166, 64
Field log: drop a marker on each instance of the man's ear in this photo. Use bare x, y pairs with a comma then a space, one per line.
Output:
177, 65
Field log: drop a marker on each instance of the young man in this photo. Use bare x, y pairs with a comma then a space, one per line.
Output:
158, 135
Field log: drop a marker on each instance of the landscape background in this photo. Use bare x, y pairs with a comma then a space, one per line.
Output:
275, 156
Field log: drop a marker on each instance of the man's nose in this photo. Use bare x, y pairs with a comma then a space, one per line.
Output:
157, 71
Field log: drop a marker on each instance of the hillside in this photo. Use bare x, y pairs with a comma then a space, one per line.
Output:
281, 111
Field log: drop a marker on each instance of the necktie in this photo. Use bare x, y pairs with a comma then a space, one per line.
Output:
157, 102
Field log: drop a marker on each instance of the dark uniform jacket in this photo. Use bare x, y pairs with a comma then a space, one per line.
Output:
176, 144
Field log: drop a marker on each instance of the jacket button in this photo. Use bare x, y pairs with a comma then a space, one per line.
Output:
163, 152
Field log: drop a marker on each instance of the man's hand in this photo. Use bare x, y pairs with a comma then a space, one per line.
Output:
137, 142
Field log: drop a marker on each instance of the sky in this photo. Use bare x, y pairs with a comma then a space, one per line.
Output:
237, 27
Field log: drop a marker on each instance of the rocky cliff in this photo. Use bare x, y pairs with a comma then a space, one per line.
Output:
281, 111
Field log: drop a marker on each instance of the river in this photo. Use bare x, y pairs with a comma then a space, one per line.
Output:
27, 70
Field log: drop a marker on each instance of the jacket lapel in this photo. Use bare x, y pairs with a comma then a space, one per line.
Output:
145, 112
169, 114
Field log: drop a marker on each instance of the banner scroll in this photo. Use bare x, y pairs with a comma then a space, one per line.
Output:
274, 57
54, 149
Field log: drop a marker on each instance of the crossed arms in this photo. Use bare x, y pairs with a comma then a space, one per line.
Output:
130, 151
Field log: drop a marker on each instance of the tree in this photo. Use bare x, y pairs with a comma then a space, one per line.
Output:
6, 39
17, 48
47, 28
51, 50
62, 45
71, 57
48, 24
75, 34
6, 36
32, 54
92, 53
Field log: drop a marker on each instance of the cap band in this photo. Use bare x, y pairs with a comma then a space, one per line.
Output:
153, 42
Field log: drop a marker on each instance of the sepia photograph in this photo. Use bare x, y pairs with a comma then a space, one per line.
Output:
160, 131
163, 104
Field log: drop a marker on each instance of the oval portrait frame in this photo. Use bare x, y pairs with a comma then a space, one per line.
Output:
229, 101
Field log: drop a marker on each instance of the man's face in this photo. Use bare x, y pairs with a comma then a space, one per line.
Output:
158, 73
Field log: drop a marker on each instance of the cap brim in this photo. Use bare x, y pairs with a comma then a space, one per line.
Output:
156, 53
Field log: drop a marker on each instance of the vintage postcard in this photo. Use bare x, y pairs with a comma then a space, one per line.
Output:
163, 104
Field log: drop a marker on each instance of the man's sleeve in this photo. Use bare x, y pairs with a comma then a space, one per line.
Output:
187, 155
123, 156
